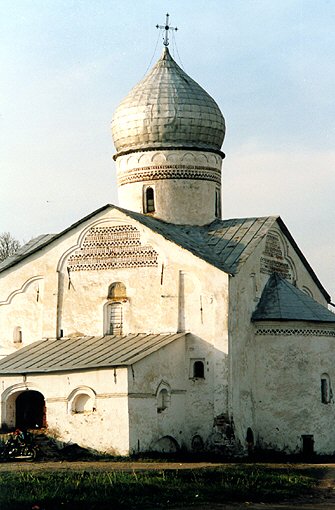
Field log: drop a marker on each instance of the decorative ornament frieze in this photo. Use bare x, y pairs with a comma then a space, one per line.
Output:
276, 331
112, 247
157, 172
274, 258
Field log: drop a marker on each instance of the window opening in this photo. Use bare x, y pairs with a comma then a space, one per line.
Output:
149, 200
199, 369
115, 319
18, 335
162, 400
325, 389
217, 203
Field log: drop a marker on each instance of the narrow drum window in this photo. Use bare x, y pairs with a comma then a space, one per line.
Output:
115, 319
217, 203
149, 200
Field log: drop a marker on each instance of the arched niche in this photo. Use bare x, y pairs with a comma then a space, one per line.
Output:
82, 400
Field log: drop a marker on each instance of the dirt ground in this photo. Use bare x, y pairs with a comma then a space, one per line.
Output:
322, 499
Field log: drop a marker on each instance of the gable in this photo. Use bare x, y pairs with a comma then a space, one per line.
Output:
225, 244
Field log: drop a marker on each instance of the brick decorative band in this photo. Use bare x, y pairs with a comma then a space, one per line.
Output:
157, 172
295, 332
113, 247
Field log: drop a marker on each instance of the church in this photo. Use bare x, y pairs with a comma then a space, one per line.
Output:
156, 325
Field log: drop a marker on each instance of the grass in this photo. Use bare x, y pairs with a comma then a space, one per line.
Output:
51, 490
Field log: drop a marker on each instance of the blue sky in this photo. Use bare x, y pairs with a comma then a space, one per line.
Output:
66, 64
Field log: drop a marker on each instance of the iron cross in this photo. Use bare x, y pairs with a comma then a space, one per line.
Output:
166, 27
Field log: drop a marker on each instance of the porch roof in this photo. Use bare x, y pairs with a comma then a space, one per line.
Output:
68, 354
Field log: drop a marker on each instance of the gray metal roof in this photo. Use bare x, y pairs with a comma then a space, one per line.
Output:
225, 244
84, 353
167, 109
283, 301
26, 249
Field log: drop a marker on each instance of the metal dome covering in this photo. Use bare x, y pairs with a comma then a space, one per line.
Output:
167, 109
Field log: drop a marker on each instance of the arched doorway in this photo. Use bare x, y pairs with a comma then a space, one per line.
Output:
30, 410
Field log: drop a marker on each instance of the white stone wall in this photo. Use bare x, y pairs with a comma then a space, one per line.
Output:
287, 387
121, 414
190, 409
245, 291
103, 425
179, 292
184, 183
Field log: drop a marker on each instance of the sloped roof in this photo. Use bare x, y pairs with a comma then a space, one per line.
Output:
225, 244
25, 250
84, 353
282, 301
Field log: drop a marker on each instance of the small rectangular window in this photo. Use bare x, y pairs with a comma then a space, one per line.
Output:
197, 368
115, 319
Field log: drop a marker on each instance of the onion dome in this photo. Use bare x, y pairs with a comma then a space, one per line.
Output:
167, 109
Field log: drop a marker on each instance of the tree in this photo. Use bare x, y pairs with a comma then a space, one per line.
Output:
8, 245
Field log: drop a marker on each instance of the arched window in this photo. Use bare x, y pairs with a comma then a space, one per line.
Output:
113, 310
199, 369
115, 319
149, 200
17, 337
326, 391
163, 396
162, 400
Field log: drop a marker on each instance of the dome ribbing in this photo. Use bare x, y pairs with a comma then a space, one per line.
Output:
167, 109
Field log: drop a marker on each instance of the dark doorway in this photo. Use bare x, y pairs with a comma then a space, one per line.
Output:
30, 410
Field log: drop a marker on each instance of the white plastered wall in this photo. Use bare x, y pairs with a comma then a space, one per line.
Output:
287, 386
245, 350
190, 410
180, 293
103, 425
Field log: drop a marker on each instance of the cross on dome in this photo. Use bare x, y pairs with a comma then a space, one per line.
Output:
166, 27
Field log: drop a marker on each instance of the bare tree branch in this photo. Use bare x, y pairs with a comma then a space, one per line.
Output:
8, 245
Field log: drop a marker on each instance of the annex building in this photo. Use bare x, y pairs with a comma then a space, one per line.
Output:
158, 325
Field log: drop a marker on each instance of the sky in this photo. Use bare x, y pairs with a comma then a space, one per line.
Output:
269, 64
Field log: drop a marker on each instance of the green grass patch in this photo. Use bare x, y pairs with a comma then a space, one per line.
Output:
51, 490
